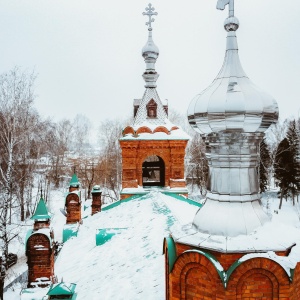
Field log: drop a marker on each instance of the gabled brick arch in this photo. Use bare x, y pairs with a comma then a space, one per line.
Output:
194, 276
249, 275
40, 258
258, 283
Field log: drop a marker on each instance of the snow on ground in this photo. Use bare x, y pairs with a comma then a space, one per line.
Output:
131, 265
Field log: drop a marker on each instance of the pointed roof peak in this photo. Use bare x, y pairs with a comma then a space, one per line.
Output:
41, 211
144, 116
74, 182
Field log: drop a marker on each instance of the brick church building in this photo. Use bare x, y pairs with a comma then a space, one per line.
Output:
153, 149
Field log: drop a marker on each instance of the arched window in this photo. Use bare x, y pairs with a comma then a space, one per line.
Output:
153, 171
151, 109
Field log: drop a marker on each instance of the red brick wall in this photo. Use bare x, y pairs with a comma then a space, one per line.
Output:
96, 203
135, 152
40, 258
195, 277
73, 207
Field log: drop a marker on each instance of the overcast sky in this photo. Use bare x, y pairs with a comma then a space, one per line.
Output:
87, 53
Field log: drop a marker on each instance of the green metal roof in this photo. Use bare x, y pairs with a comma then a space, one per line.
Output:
105, 234
70, 230
172, 253
96, 189
41, 211
61, 288
74, 181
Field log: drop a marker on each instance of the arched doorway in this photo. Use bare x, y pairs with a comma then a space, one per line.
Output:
153, 170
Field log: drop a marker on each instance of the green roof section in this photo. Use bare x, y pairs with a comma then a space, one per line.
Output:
69, 231
74, 181
96, 189
105, 234
60, 289
41, 211
172, 253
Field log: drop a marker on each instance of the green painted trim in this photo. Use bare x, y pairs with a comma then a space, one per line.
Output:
119, 202
69, 231
74, 182
213, 260
180, 197
59, 289
41, 211
239, 262
292, 275
231, 269
172, 253
103, 235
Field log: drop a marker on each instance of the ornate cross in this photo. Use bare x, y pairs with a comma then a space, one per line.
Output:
222, 3
150, 12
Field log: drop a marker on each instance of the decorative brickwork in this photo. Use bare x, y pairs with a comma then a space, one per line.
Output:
135, 152
96, 199
202, 274
40, 254
73, 207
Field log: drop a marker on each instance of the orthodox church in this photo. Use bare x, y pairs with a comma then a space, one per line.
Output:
153, 149
226, 248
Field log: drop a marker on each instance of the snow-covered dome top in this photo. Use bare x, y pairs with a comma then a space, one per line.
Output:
232, 102
151, 120
150, 51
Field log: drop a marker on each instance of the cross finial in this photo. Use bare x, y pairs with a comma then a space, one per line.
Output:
222, 3
150, 12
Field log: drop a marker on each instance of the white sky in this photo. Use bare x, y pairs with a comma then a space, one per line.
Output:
87, 53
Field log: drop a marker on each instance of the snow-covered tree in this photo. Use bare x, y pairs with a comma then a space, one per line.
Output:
16, 123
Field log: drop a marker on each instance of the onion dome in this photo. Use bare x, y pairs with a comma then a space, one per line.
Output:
150, 51
232, 102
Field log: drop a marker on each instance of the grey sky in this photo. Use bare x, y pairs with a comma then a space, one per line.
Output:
87, 53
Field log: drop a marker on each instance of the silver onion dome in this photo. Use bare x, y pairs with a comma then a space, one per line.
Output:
233, 114
150, 51
232, 101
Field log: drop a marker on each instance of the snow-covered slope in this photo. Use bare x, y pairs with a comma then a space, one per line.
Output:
131, 264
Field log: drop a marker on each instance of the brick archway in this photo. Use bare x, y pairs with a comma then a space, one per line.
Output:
164, 154
153, 170
193, 276
258, 278
258, 284
197, 283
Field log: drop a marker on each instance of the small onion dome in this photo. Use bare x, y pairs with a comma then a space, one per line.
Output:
232, 102
150, 50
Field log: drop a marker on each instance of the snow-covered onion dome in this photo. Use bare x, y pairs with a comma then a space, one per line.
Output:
232, 101
233, 114
150, 52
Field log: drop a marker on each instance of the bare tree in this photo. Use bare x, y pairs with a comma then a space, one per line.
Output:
110, 164
81, 131
16, 100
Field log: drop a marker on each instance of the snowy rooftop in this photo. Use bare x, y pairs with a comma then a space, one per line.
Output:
133, 256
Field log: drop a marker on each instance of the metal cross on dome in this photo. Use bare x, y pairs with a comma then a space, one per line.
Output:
150, 12
222, 3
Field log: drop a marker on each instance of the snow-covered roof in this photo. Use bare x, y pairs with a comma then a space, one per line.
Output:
132, 258
141, 116
269, 237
